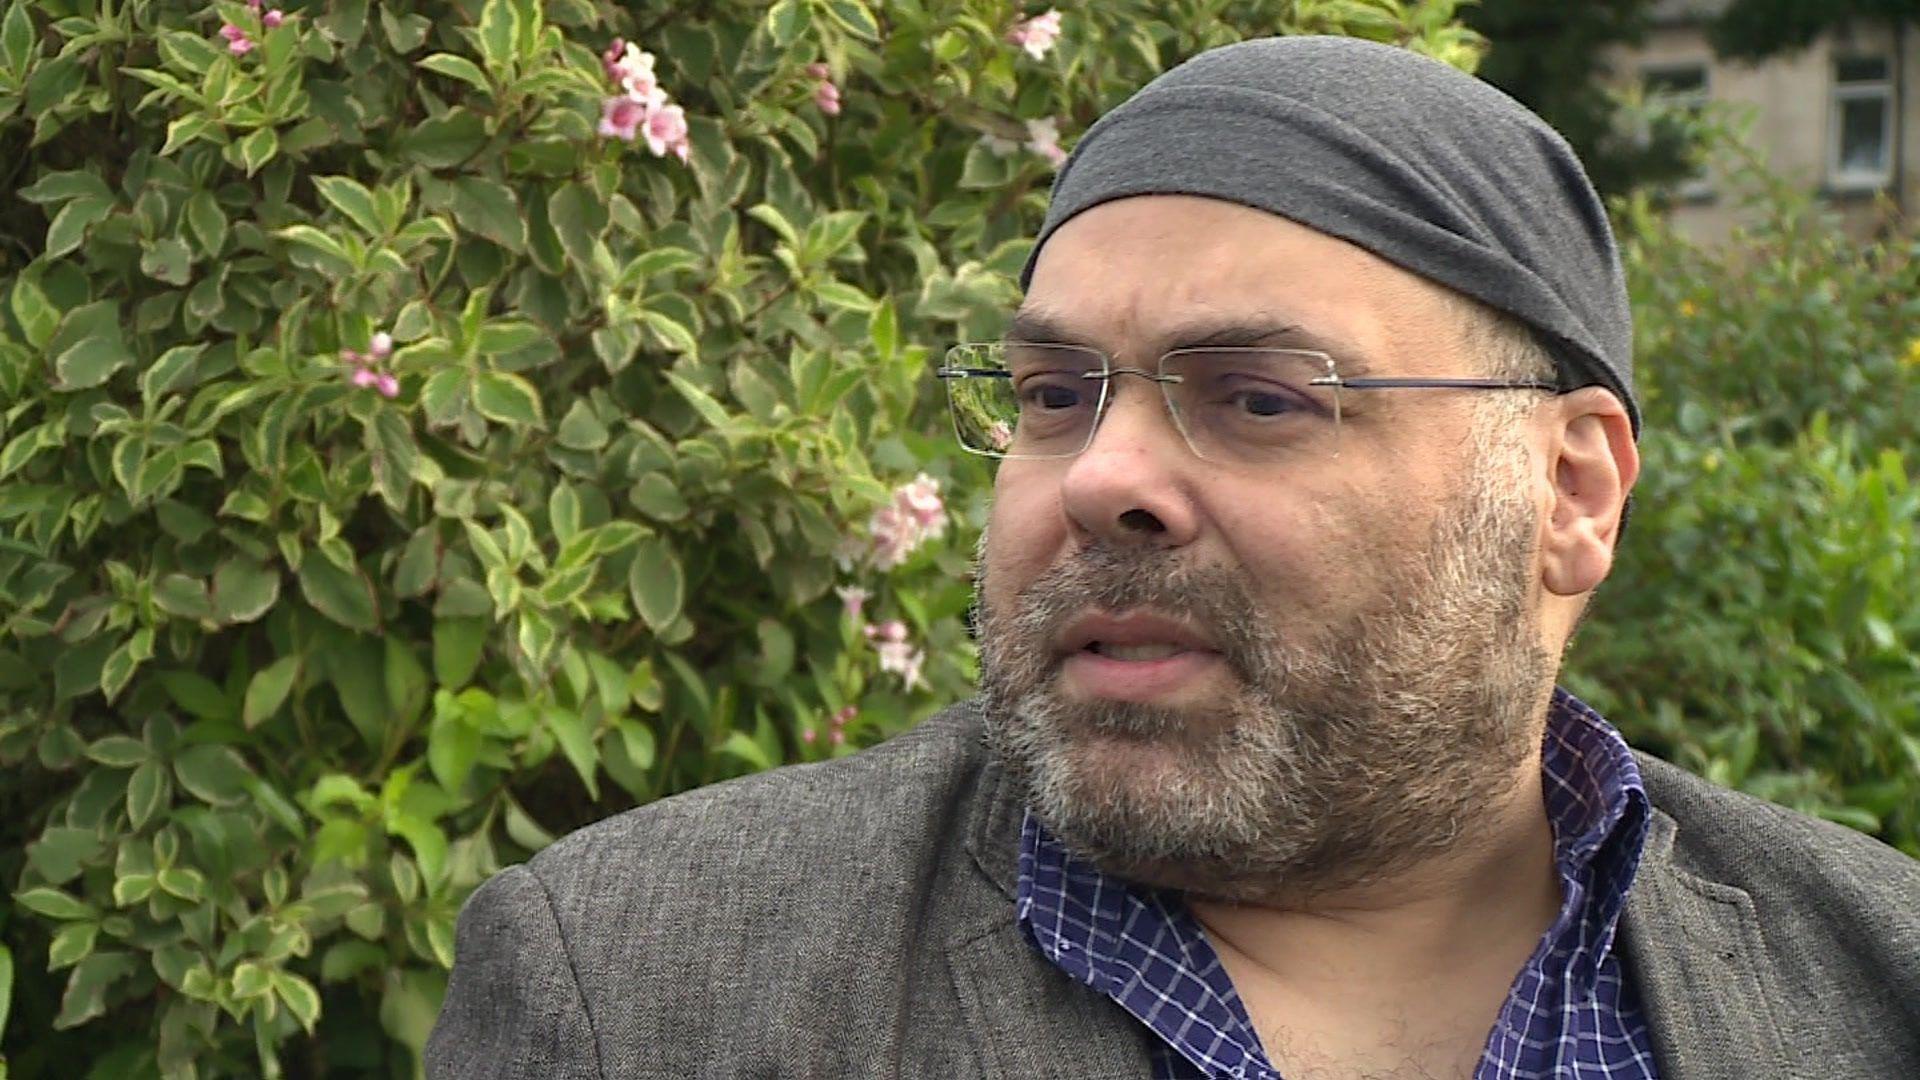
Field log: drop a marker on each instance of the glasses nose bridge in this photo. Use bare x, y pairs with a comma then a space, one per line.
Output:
1110, 392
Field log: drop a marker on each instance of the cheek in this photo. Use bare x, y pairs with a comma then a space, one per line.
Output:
1025, 529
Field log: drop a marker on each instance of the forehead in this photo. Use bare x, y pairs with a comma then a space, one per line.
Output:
1132, 274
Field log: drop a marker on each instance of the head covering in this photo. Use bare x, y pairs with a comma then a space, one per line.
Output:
1418, 162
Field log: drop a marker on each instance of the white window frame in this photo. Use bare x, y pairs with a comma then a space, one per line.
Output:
1838, 176
1697, 187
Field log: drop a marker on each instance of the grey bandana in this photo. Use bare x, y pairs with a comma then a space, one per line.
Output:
1407, 157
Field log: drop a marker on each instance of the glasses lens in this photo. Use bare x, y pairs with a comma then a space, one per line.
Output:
1253, 405
1019, 400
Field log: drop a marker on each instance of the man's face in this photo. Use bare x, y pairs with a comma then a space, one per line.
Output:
1261, 680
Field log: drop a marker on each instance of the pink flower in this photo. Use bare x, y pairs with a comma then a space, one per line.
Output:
1036, 35
819, 70
633, 71
621, 117
915, 516
238, 43
826, 97
611, 57
902, 659
808, 736
893, 630
666, 130
854, 599
366, 377
845, 716
839, 738
382, 346
1000, 435
1043, 138
272, 19
388, 385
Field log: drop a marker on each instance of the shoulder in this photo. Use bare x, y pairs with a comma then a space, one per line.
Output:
1738, 839
1818, 890
784, 834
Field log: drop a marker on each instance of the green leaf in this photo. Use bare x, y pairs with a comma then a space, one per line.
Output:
499, 26
578, 218
244, 590
37, 316
197, 694
429, 846
457, 646
86, 994
208, 221
168, 260
655, 496
445, 141
6, 954
72, 944
637, 739
351, 198
703, 403
92, 361
17, 42
180, 595
457, 67
769, 215
70, 225
173, 367
62, 852
489, 208
406, 682
345, 596
507, 398
268, 689
118, 751
301, 999
257, 149
854, 15
656, 582
787, 20
55, 904
212, 774
453, 745
147, 790
571, 731
581, 429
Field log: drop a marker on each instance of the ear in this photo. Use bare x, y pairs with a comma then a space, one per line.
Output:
1592, 464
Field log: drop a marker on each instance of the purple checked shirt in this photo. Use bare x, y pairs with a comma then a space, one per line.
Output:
1569, 1013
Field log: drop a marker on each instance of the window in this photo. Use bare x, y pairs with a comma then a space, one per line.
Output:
1682, 87
1861, 143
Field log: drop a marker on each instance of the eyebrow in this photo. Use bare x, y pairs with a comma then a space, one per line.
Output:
1039, 326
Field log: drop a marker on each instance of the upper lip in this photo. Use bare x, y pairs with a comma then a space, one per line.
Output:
1131, 628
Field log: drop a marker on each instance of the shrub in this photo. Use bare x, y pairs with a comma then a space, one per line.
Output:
401, 466
1760, 627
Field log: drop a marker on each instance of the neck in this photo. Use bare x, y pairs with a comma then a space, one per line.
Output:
1483, 903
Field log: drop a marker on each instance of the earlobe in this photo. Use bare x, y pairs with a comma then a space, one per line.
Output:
1593, 466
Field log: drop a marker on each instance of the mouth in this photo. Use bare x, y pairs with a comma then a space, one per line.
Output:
1138, 657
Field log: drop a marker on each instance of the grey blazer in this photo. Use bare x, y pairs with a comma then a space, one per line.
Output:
855, 919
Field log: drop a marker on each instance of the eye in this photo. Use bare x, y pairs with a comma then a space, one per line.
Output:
1048, 395
1263, 402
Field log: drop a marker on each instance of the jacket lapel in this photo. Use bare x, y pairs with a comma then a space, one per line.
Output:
1694, 951
1026, 1017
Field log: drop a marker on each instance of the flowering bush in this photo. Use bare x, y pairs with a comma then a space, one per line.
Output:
429, 426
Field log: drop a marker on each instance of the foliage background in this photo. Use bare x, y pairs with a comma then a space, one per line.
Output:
288, 666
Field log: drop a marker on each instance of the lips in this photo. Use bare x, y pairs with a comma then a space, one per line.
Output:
1132, 637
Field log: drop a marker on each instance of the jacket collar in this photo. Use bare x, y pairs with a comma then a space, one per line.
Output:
1695, 954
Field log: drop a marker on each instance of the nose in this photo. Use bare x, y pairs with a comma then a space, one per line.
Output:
1131, 483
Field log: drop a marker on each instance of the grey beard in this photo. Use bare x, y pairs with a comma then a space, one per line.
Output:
1335, 763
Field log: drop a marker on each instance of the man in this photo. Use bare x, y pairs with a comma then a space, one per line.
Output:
1318, 429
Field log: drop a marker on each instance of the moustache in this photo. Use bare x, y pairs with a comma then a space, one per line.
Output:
1099, 576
